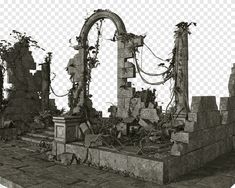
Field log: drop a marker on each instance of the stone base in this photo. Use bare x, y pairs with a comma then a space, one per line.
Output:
160, 170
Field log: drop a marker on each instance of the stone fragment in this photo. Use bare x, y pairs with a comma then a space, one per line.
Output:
67, 158
84, 128
150, 114
146, 124
181, 137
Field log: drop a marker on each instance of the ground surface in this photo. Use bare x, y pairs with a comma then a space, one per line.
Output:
22, 164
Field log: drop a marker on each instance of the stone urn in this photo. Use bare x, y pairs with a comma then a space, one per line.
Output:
231, 84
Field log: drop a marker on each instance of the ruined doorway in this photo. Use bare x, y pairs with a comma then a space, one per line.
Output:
103, 87
126, 43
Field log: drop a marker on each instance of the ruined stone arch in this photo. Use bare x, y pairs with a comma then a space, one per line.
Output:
125, 44
98, 15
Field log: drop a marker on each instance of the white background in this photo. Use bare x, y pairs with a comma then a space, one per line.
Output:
52, 23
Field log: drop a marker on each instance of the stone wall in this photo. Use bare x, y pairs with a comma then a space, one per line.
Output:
208, 133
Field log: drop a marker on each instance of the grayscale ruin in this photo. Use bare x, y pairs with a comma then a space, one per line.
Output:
139, 138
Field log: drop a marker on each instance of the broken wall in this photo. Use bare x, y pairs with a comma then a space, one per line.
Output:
208, 133
23, 97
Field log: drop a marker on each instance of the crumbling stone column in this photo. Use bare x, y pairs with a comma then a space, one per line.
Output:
181, 68
1, 86
231, 84
46, 82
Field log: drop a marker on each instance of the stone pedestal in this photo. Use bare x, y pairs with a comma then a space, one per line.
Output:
66, 129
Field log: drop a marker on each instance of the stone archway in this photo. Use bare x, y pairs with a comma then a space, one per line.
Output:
126, 43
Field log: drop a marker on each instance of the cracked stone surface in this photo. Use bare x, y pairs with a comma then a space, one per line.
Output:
21, 165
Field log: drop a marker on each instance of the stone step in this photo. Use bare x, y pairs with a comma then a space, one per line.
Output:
49, 132
50, 128
35, 140
41, 135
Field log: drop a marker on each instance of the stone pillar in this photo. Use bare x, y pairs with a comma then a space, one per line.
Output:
181, 68
46, 81
231, 84
1, 86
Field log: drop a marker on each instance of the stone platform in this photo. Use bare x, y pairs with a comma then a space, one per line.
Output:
21, 165
208, 133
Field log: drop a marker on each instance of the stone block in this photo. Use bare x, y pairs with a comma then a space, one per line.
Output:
175, 168
93, 140
84, 129
146, 124
229, 144
80, 151
146, 169
209, 153
137, 41
208, 136
200, 118
115, 161
191, 126
227, 116
179, 148
182, 136
203, 103
59, 148
229, 129
127, 92
192, 160
126, 52
122, 112
66, 128
220, 133
220, 148
127, 72
227, 103
150, 114
214, 118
